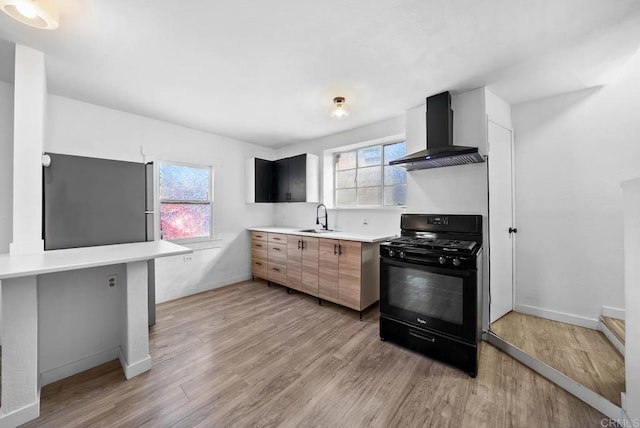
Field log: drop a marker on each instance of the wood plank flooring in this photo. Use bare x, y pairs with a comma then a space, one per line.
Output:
616, 327
583, 354
252, 355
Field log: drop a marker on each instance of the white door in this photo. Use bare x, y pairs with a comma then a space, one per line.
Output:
501, 221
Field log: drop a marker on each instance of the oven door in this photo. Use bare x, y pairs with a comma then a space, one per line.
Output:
435, 298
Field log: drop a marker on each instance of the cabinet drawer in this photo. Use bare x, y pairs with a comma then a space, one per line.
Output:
260, 268
258, 236
277, 238
259, 253
278, 253
259, 245
277, 273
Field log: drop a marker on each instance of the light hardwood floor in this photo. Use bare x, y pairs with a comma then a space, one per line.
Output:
252, 355
583, 354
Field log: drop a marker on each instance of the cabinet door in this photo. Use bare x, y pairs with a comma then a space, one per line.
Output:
264, 178
310, 265
298, 178
281, 180
350, 274
294, 262
328, 269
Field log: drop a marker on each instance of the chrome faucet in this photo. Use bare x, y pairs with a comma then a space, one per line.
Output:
326, 217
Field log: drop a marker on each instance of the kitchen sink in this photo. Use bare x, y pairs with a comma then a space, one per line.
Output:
316, 230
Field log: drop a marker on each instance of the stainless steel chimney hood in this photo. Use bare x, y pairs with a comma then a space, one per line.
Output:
440, 150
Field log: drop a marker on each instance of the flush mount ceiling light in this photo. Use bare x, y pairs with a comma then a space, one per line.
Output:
36, 13
340, 108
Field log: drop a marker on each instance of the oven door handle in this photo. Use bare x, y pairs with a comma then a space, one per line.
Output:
422, 336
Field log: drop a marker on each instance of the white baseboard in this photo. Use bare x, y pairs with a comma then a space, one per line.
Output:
612, 338
612, 312
79, 366
20, 416
578, 320
133, 370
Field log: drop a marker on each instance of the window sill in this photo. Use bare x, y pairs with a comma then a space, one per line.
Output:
204, 244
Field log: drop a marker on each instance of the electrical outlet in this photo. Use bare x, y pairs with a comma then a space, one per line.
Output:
187, 258
112, 280
365, 221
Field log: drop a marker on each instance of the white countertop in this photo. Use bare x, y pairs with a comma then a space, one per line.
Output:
360, 236
12, 266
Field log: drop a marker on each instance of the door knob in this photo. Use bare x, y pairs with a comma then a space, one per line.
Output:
513, 230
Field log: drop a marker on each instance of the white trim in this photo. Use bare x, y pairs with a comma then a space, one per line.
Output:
132, 370
611, 312
612, 338
78, 366
20, 416
578, 320
574, 388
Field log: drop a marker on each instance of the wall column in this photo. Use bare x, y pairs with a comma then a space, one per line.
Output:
28, 138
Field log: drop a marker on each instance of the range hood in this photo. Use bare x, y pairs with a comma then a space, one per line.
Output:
440, 150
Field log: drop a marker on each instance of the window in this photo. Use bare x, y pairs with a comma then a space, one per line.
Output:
364, 176
185, 201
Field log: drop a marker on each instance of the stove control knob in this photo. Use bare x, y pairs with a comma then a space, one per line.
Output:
442, 260
391, 253
402, 254
456, 262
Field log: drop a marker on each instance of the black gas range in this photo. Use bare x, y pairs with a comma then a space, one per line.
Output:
430, 287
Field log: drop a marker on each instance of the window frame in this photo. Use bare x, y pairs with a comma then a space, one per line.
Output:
382, 186
159, 201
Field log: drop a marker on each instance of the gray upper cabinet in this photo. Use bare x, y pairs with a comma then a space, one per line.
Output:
292, 179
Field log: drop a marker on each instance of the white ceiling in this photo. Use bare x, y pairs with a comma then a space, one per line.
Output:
266, 71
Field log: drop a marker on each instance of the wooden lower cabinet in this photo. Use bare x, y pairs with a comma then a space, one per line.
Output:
294, 262
328, 272
340, 271
302, 264
277, 255
259, 255
310, 265
349, 273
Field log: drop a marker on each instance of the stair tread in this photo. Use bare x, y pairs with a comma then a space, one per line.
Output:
616, 327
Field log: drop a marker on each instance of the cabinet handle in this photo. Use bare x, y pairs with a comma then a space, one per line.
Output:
259, 245
259, 264
299, 244
276, 239
275, 248
335, 249
276, 269
303, 244
339, 249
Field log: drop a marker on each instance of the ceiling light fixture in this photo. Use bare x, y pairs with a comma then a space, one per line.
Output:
41, 14
340, 108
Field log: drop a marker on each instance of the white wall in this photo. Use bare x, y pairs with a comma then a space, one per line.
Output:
460, 189
67, 297
383, 220
77, 128
6, 165
572, 152
88, 130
